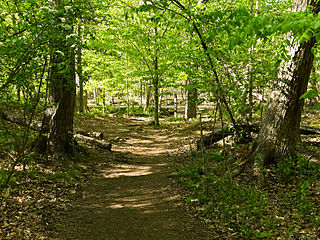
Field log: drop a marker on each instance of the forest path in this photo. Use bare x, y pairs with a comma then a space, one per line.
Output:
130, 196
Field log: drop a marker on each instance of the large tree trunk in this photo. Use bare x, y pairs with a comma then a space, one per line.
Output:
279, 132
56, 135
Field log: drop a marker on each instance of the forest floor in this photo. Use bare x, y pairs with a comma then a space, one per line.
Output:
132, 192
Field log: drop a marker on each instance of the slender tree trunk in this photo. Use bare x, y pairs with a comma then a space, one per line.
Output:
18, 94
95, 96
79, 69
166, 98
156, 84
85, 101
128, 97
279, 132
104, 100
160, 100
147, 98
141, 93
250, 84
191, 103
175, 103
156, 93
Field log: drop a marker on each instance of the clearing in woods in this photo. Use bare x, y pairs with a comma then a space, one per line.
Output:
129, 196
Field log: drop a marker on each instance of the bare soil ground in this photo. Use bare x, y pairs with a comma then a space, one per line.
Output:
129, 194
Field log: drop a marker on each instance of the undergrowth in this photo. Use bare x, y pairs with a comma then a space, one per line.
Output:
101, 111
21, 175
287, 208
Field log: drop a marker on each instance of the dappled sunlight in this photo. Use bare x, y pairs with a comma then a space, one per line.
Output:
147, 201
126, 171
144, 151
144, 161
130, 194
130, 205
152, 146
136, 194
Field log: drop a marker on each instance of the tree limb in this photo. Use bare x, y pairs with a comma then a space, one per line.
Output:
229, 130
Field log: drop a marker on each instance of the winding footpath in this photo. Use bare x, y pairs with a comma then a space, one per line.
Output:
130, 197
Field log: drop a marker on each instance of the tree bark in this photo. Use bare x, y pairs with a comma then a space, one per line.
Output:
56, 135
156, 94
280, 132
229, 130
79, 69
147, 98
8, 116
160, 99
128, 96
156, 85
141, 93
175, 104
85, 101
191, 103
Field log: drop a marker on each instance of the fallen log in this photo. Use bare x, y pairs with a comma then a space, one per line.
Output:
97, 135
36, 126
306, 130
99, 143
229, 130
214, 136
8, 116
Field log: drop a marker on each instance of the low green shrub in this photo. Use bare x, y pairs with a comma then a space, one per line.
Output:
246, 211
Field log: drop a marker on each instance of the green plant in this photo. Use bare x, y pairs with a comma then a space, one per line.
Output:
3, 178
298, 167
213, 157
174, 119
230, 202
300, 197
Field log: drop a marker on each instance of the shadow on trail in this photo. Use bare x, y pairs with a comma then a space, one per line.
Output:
132, 199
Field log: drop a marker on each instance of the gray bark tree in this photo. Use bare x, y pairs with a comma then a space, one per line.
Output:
280, 132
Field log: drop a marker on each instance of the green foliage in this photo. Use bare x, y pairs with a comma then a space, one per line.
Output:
248, 212
3, 178
310, 94
296, 167
233, 204
174, 119
68, 176
21, 176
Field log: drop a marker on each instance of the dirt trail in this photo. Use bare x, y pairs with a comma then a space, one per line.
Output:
130, 197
